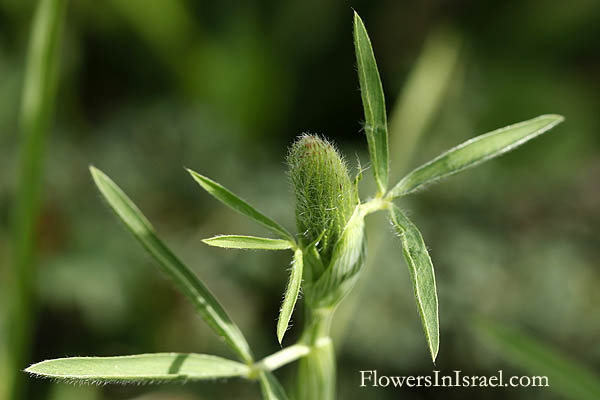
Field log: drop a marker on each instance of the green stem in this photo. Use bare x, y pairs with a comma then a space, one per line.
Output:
283, 357
317, 370
36, 109
376, 204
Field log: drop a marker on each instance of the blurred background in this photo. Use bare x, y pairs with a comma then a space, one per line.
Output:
147, 87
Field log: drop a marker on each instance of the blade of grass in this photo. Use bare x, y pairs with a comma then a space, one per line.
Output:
39, 92
373, 104
422, 95
291, 295
270, 387
475, 151
207, 306
234, 202
571, 379
422, 274
248, 242
141, 368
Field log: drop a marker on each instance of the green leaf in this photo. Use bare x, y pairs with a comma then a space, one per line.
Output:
207, 306
231, 200
248, 242
36, 114
373, 103
291, 295
565, 376
423, 95
422, 274
270, 387
475, 151
141, 368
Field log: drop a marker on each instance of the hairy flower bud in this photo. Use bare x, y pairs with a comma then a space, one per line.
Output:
325, 198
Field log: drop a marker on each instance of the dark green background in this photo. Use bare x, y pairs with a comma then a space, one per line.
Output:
148, 87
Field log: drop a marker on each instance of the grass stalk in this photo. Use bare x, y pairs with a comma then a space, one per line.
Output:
36, 110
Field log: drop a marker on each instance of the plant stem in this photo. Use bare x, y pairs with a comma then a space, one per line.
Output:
317, 370
283, 357
376, 204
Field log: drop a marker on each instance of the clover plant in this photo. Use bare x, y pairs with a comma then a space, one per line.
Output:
328, 253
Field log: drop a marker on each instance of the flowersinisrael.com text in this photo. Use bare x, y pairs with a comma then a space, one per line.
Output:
371, 378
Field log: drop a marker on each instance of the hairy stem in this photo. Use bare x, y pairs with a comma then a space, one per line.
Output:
376, 204
283, 357
317, 370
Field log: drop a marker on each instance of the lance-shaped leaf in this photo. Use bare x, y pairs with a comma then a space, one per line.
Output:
422, 274
423, 94
207, 306
566, 376
141, 368
475, 151
270, 387
291, 295
234, 202
373, 104
248, 242
38, 96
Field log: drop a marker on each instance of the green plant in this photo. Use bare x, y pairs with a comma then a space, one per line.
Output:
328, 253
39, 89
571, 379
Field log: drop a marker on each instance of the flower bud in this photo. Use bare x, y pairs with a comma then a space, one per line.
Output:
325, 198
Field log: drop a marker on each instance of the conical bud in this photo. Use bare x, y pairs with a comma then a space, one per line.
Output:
325, 199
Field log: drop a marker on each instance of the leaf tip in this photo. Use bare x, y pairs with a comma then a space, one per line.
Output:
98, 176
433, 341
556, 118
357, 18
212, 241
434, 353
550, 121
281, 328
33, 370
94, 171
200, 179
195, 175
359, 27
192, 172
